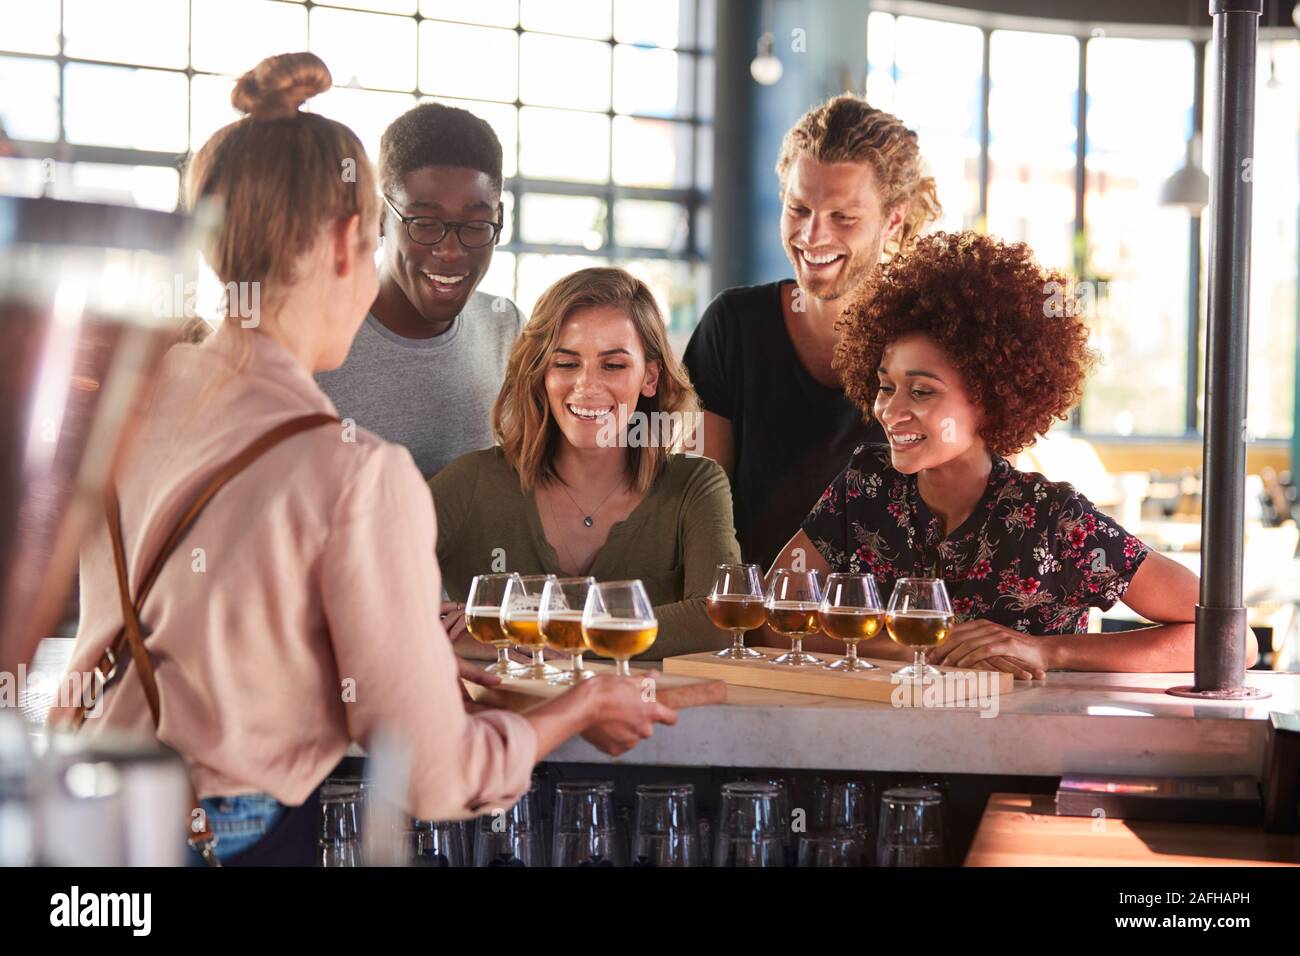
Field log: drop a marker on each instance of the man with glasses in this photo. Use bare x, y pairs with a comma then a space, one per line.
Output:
430, 357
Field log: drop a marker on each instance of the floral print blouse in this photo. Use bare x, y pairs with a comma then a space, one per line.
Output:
1034, 555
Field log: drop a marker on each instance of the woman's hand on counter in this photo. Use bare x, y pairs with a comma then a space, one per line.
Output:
975, 643
1010, 665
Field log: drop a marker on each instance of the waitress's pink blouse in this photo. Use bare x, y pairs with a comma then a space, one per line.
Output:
301, 611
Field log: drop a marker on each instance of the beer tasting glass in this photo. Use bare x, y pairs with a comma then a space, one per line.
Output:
851, 612
560, 620
519, 617
919, 616
794, 611
618, 621
736, 605
483, 621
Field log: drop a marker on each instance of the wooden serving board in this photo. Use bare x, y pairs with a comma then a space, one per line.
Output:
960, 690
671, 690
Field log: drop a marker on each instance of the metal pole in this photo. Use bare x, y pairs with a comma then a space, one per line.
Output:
1193, 365
1221, 616
1080, 257
731, 259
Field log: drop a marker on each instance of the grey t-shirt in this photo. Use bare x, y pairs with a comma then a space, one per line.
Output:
432, 395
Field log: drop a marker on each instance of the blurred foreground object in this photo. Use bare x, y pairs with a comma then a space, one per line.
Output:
90, 296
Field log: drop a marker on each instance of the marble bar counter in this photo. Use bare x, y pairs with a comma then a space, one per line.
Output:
1070, 722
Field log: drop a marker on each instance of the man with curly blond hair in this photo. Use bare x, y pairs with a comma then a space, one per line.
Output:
956, 350
775, 417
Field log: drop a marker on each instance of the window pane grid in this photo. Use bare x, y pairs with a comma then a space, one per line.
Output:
649, 172
207, 43
610, 41
1135, 252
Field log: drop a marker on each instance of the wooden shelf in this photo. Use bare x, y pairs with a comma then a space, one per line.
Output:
1020, 829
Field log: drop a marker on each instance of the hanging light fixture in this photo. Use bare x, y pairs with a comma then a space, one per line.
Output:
765, 67
1189, 186
1273, 82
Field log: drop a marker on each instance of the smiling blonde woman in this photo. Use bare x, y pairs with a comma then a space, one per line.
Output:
589, 478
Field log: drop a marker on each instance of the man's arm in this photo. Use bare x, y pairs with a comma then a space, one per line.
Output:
713, 361
718, 441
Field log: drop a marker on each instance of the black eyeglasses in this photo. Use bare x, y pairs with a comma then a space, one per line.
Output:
430, 230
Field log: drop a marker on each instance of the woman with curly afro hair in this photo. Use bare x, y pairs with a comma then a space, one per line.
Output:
965, 350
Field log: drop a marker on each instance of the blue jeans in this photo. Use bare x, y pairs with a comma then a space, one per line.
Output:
238, 822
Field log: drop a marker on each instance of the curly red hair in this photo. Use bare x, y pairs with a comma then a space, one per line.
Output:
1010, 327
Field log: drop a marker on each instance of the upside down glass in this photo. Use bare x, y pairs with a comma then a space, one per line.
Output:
845, 806
618, 621
832, 848
667, 831
519, 617
586, 825
560, 620
483, 621
512, 836
736, 605
912, 828
342, 810
436, 843
784, 815
748, 829
919, 616
851, 612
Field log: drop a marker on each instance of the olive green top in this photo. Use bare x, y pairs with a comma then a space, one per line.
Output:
673, 540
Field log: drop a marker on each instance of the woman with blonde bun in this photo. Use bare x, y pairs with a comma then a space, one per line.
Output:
298, 613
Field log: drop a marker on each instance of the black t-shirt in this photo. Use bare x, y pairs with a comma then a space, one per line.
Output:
1034, 554
792, 434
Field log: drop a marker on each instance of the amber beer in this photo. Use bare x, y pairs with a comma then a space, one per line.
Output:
484, 625
620, 638
852, 624
524, 630
794, 618
562, 631
919, 628
736, 612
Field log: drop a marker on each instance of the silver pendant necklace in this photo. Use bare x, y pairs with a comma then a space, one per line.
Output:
589, 519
